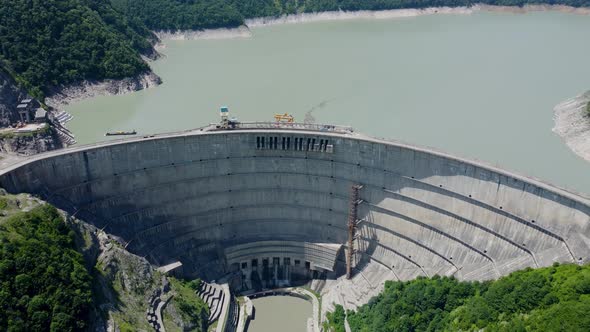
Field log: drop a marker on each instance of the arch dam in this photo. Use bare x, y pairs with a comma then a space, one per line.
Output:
261, 206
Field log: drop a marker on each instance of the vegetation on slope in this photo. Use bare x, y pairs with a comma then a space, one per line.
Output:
588, 109
44, 44
44, 285
192, 311
180, 15
52, 42
556, 298
193, 14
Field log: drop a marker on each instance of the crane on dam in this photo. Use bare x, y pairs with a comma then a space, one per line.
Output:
288, 118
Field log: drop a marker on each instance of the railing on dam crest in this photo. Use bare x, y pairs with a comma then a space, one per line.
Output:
286, 125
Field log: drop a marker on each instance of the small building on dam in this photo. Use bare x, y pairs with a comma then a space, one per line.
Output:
263, 206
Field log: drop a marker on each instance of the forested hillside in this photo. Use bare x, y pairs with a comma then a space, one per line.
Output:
44, 285
556, 298
51, 42
47, 43
199, 14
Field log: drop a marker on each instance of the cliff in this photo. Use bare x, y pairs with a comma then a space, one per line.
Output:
20, 143
126, 285
30, 143
572, 124
10, 95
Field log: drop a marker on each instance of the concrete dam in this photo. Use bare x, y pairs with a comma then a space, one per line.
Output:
264, 206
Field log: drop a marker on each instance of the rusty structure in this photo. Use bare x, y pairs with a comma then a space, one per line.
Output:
352, 225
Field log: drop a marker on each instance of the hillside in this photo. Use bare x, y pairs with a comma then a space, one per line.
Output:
44, 283
555, 298
63, 274
192, 14
10, 95
54, 42
51, 43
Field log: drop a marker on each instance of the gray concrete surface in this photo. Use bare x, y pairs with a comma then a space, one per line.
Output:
190, 196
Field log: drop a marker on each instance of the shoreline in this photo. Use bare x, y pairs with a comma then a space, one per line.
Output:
65, 95
355, 15
572, 124
407, 13
245, 32
221, 33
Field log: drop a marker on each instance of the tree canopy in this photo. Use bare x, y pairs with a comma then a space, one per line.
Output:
44, 285
47, 43
52, 42
546, 299
199, 14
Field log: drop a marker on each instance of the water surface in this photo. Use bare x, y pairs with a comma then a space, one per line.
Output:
280, 313
481, 86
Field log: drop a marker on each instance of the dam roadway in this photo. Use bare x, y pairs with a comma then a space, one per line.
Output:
263, 206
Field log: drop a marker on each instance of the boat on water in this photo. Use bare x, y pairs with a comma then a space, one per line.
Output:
120, 133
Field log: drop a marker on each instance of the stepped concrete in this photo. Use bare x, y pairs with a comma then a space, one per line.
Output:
225, 201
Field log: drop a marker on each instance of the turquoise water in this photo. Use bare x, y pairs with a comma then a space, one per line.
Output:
481, 86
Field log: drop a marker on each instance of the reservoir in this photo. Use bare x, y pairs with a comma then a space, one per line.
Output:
280, 313
482, 86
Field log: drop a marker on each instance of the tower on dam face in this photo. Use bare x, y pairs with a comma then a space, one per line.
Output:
269, 207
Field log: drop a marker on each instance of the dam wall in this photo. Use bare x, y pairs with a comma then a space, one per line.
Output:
263, 202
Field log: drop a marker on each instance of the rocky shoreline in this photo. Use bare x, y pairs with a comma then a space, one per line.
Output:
572, 124
533, 8
65, 95
244, 31
73, 93
402, 13
222, 33
351, 15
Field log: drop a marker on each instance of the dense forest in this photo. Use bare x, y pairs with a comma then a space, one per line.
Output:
44, 285
199, 14
556, 298
44, 44
52, 42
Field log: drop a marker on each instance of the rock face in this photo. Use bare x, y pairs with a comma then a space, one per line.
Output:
31, 143
65, 95
126, 285
10, 95
123, 282
24, 144
572, 123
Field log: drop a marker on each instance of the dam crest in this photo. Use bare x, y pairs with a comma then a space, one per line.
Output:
263, 206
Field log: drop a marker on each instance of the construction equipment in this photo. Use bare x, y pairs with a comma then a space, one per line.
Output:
288, 118
224, 113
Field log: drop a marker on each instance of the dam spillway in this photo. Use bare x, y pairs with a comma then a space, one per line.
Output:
270, 205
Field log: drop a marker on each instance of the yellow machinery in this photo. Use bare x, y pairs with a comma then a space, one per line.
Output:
284, 118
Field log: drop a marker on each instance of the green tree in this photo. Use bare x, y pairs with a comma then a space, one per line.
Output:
555, 298
44, 285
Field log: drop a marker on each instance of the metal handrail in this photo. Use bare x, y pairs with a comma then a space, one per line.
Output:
290, 125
